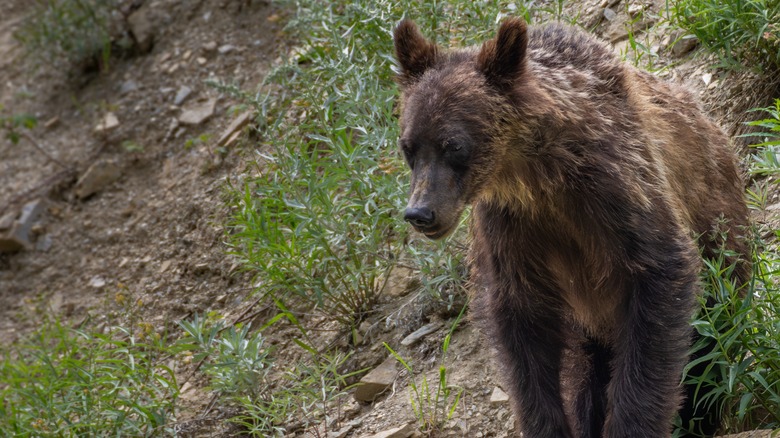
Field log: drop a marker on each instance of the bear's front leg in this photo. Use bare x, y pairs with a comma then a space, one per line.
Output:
651, 348
530, 346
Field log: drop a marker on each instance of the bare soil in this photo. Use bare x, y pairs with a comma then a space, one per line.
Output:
149, 246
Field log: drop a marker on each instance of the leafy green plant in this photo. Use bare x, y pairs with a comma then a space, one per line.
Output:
65, 382
322, 223
237, 363
743, 33
70, 31
433, 407
743, 371
238, 366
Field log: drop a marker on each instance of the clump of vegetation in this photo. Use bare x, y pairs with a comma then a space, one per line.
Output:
744, 368
323, 221
66, 382
743, 33
70, 32
238, 365
433, 407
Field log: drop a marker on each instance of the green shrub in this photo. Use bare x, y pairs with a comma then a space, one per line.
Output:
72, 383
743, 33
745, 366
433, 407
323, 222
238, 367
69, 32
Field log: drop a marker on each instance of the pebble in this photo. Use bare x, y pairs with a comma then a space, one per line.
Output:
109, 122
198, 113
99, 175
376, 381
498, 396
128, 86
420, 333
182, 95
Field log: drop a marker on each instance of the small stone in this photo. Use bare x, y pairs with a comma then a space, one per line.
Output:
18, 235
44, 243
98, 176
404, 431
187, 55
201, 60
7, 220
706, 78
234, 128
142, 28
420, 333
684, 45
635, 10
498, 396
227, 48
609, 14
210, 46
97, 282
376, 381
182, 95
341, 433
165, 265
198, 113
109, 122
128, 86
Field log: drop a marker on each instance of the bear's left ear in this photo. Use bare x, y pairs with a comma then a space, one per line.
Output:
502, 59
415, 54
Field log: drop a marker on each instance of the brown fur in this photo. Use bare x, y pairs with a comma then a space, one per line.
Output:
589, 180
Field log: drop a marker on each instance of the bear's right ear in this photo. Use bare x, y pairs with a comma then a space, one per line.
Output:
415, 54
502, 59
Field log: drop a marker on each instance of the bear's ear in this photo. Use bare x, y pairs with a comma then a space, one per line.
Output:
502, 59
415, 54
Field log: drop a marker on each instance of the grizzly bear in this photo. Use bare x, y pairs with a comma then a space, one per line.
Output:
589, 182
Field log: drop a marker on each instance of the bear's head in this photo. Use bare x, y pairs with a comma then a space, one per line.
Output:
455, 107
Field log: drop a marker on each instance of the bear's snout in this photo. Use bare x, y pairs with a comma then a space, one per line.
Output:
420, 218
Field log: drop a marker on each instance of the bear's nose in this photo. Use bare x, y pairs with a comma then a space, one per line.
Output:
419, 217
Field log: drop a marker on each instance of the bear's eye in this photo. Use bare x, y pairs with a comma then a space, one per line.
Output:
456, 153
452, 146
407, 151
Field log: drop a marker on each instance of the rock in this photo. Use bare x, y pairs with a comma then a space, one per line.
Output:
498, 396
635, 10
706, 78
143, 29
341, 433
198, 113
210, 46
609, 14
420, 333
182, 95
127, 87
399, 432
109, 122
98, 176
17, 236
684, 45
7, 220
229, 135
376, 381
44, 243
97, 282
201, 60
227, 48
